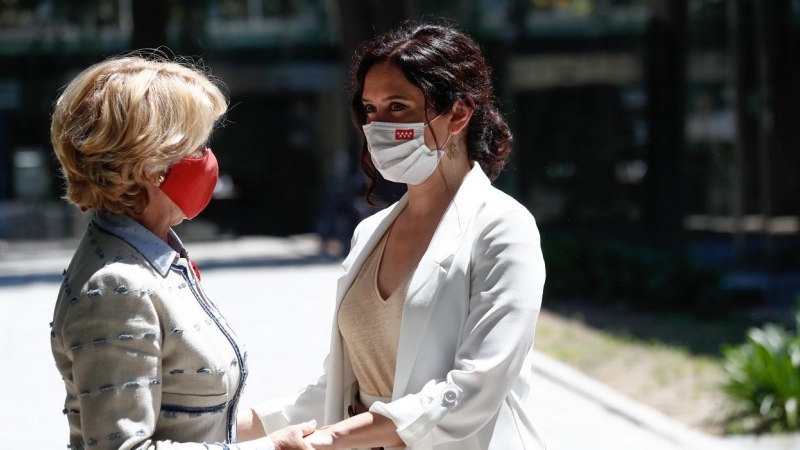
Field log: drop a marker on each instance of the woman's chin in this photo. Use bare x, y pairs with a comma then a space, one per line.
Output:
178, 221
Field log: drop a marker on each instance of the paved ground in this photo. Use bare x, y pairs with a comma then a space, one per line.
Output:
280, 300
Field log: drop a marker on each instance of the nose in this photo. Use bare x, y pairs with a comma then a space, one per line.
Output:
375, 117
379, 115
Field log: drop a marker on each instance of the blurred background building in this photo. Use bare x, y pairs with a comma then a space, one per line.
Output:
668, 122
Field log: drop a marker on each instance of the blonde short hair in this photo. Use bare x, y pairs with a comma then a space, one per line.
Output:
124, 119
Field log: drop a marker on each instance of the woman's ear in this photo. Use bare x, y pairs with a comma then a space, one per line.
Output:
460, 118
156, 178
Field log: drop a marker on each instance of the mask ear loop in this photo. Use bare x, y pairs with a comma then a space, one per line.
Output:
430, 121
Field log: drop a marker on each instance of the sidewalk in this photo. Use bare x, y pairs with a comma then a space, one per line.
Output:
575, 413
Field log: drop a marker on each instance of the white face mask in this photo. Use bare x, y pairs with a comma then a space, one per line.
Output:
399, 152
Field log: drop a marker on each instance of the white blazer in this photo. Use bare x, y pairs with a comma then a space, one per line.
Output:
463, 377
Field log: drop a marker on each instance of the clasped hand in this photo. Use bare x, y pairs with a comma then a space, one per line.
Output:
321, 439
293, 437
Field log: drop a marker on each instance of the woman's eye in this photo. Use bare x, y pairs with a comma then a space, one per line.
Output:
397, 107
369, 109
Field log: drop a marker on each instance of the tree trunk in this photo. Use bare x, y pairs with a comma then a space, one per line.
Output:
743, 52
777, 122
361, 21
665, 62
149, 23
192, 37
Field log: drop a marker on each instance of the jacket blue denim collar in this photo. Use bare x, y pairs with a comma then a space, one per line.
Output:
160, 254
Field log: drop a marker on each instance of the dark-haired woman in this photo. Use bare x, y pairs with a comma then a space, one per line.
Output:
434, 325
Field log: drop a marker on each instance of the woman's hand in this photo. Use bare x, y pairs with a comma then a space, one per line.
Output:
291, 438
365, 430
322, 439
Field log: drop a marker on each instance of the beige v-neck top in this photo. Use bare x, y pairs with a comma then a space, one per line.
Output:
370, 326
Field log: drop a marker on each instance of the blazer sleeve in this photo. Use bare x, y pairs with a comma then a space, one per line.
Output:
506, 282
113, 337
302, 406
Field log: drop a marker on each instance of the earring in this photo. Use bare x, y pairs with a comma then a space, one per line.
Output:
161, 179
452, 151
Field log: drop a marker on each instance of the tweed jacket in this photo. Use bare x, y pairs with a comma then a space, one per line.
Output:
463, 375
146, 357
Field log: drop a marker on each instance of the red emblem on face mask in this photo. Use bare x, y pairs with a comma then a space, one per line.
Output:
403, 135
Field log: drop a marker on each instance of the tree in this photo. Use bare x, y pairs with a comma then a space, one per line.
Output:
777, 130
150, 19
743, 52
665, 69
361, 21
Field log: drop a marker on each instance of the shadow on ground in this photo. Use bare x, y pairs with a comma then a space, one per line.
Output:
700, 336
205, 266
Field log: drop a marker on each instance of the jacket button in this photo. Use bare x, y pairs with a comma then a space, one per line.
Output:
450, 396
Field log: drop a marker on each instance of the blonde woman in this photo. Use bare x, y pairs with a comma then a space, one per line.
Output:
147, 359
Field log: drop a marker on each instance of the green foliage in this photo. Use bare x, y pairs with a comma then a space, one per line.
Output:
612, 272
764, 380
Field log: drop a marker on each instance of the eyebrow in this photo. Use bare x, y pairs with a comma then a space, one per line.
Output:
386, 99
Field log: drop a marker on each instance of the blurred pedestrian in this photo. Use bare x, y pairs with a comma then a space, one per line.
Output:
146, 357
341, 210
433, 333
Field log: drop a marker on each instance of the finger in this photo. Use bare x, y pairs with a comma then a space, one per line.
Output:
308, 427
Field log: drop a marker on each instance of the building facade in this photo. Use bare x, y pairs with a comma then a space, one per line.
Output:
587, 86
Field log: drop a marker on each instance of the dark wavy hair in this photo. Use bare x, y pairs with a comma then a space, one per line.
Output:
446, 65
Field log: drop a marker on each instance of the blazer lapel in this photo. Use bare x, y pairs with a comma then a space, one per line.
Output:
339, 374
432, 272
352, 264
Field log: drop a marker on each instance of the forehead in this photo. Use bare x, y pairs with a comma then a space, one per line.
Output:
385, 80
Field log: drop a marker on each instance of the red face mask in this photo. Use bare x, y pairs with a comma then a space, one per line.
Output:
191, 182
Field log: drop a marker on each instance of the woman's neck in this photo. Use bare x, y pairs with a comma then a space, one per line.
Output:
433, 196
160, 214
157, 224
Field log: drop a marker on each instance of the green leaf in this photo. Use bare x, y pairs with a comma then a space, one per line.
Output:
764, 380
766, 405
795, 355
791, 413
797, 323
